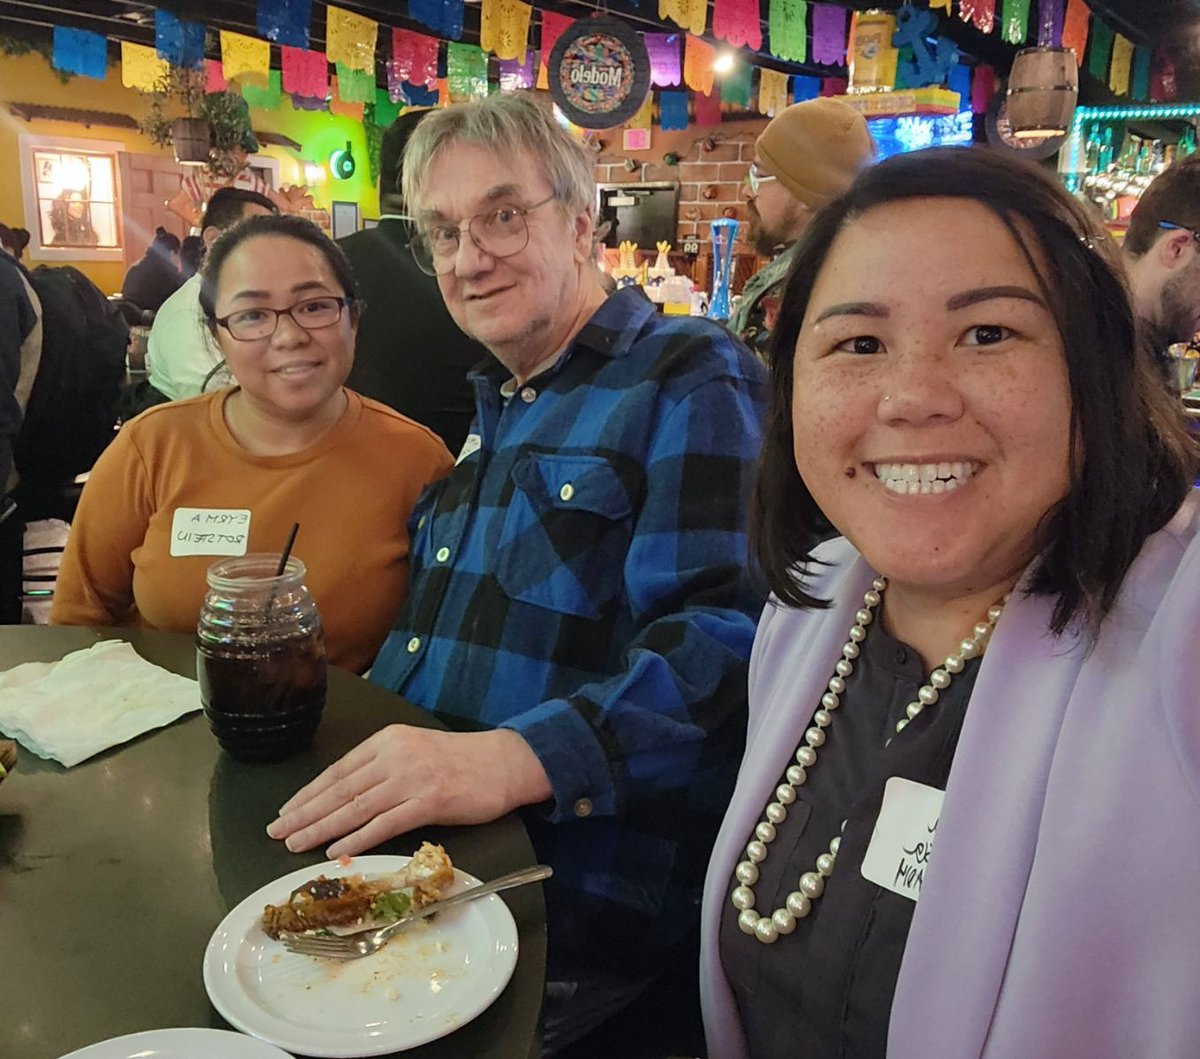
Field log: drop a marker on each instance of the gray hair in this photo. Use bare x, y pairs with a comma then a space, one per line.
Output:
508, 124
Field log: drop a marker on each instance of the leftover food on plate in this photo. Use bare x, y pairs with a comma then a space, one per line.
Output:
350, 903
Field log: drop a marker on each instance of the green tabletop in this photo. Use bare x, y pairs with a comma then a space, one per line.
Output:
114, 874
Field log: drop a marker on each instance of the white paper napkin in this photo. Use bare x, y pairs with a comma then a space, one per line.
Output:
90, 700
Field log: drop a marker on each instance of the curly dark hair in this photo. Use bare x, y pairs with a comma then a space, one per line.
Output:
1133, 460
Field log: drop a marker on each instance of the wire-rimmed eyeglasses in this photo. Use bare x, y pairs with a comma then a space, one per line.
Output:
756, 178
501, 232
1171, 226
250, 325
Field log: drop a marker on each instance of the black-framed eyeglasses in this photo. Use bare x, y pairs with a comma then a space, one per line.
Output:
1171, 226
250, 325
501, 232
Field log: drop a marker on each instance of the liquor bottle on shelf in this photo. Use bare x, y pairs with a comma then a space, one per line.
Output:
1187, 142
1106, 150
1092, 148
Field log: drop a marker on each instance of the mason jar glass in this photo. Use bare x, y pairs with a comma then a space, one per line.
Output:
260, 658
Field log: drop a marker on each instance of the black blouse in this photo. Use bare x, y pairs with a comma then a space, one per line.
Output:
825, 990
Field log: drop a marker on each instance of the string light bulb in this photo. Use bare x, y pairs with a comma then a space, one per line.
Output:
724, 62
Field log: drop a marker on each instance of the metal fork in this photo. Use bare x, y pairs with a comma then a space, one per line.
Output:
365, 942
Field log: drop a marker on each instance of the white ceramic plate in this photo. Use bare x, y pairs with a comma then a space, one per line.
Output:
433, 977
180, 1044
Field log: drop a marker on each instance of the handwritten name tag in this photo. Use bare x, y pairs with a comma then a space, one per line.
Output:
470, 445
210, 531
902, 842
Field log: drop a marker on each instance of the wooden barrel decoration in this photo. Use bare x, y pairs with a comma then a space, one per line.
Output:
192, 140
1043, 89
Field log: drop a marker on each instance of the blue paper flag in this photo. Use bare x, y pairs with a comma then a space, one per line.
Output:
285, 21
672, 110
445, 17
76, 51
419, 95
805, 88
960, 82
180, 43
1141, 73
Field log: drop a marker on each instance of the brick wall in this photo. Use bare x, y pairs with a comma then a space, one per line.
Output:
711, 170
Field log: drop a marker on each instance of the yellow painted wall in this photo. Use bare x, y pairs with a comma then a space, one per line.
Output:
30, 79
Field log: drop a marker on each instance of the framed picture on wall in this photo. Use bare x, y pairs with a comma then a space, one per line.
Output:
345, 219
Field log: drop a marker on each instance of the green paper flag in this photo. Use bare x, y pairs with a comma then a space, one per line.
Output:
787, 30
466, 70
1098, 51
1014, 21
385, 110
355, 86
266, 97
735, 85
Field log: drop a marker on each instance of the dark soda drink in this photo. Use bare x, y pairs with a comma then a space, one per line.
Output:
263, 701
260, 658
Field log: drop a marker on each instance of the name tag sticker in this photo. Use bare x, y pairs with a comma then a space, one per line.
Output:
210, 531
902, 842
470, 445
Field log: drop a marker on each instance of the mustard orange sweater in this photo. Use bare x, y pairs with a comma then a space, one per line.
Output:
352, 492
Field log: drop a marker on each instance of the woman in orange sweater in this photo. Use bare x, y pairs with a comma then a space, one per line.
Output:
289, 443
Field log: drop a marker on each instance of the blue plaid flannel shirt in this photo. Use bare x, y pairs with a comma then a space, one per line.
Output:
580, 578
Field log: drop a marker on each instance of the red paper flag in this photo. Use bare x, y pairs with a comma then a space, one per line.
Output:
982, 13
305, 73
552, 28
708, 108
834, 86
737, 22
1075, 28
983, 87
1163, 86
214, 76
415, 56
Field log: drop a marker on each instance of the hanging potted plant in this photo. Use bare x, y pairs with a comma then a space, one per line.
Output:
214, 129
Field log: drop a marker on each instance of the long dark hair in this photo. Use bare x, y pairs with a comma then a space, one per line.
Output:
1132, 459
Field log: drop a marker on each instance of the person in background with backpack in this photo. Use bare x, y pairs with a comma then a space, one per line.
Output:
20, 352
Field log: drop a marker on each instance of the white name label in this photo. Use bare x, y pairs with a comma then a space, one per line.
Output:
902, 842
210, 531
471, 445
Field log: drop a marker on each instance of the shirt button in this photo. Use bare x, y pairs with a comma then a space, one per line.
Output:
421, 522
583, 807
528, 394
414, 645
442, 555
566, 492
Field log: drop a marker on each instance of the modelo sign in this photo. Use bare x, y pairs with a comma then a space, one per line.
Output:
599, 72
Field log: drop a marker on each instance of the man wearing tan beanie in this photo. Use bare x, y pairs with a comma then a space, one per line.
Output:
805, 157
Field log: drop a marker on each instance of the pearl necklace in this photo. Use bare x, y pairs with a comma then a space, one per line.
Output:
812, 883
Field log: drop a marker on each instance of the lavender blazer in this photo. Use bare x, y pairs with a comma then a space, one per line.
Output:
1060, 914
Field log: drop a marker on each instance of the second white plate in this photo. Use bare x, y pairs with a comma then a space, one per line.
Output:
432, 978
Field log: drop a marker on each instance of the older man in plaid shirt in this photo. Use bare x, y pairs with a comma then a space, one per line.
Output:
578, 582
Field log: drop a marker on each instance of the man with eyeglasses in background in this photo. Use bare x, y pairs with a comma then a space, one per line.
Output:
578, 582
806, 156
1162, 256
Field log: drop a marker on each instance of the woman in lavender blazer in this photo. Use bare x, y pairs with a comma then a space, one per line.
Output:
957, 386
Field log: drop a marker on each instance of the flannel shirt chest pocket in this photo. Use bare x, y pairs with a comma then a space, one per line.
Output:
563, 540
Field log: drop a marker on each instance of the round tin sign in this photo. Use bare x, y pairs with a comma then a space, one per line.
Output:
599, 72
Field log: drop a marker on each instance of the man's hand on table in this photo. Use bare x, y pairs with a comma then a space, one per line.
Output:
404, 778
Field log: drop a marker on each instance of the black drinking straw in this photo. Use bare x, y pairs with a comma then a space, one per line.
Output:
287, 549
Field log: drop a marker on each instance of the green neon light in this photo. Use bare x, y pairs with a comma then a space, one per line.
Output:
1172, 110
